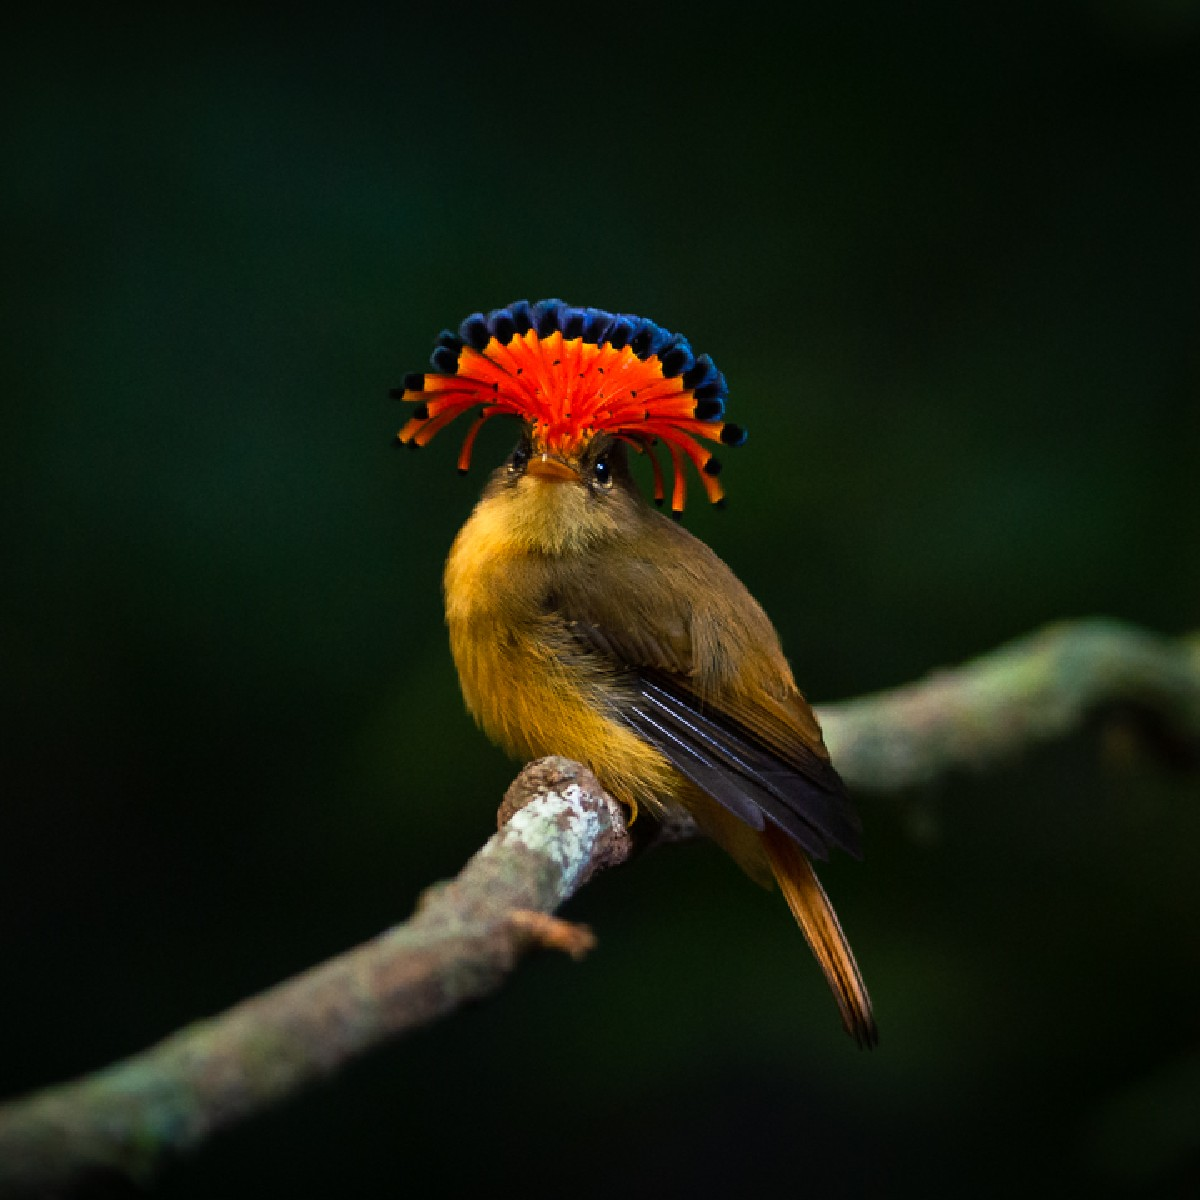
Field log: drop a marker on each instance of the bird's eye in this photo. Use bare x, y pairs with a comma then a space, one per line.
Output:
519, 459
602, 473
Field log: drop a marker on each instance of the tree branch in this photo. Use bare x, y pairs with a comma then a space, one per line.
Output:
1035, 689
558, 827
465, 937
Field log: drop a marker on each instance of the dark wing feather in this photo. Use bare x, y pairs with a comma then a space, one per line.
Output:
678, 741
736, 769
752, 759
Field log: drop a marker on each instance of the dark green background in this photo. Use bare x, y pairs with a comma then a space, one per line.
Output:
948, 257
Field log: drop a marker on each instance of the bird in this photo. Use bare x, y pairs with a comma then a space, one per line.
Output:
585, 622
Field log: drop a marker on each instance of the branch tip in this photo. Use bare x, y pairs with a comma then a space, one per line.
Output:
553, 933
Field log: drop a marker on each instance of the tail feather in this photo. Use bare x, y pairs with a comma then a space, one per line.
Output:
816, 918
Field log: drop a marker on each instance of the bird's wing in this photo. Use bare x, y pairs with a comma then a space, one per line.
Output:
759, 756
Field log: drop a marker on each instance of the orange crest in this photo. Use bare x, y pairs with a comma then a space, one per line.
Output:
571, 373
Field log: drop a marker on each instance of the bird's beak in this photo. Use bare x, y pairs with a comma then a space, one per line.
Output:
545, 467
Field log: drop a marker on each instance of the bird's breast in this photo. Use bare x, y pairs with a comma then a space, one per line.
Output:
525, 679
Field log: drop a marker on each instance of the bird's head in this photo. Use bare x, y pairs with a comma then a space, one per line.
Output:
586, 385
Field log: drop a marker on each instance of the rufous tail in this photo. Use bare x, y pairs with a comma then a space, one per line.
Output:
816, 918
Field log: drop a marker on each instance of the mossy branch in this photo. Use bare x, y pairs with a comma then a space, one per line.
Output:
558, 827
1032, 690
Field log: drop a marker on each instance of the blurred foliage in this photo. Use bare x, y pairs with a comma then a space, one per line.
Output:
949, 260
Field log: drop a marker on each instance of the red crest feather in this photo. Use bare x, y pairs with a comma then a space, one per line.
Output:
571, 373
